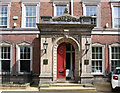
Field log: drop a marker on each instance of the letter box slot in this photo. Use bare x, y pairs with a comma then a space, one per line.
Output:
61, 71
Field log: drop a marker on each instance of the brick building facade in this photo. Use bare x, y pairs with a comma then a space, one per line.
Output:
90, 53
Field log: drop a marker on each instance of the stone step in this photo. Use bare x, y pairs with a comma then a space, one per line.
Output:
78, 88
66, 85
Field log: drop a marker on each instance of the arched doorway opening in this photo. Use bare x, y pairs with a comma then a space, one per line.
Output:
65, 61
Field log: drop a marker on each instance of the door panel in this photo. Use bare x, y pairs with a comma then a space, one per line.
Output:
61, 61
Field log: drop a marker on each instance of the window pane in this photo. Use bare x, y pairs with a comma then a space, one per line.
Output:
96, 52
25, 52
60, 10
68, 60
117, 22
117, 12
91, 10
115, 54
24, 65
5, 52
97, 59
68, 47
3, 21
31, 22
114, 64
3, 11
3, 16
97, 66
117, 17
30, 16
5, 65
93, 21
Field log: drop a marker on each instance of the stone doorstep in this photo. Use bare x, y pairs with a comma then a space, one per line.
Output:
67, 87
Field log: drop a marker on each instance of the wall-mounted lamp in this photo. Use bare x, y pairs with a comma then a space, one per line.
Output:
45, 45
87, 45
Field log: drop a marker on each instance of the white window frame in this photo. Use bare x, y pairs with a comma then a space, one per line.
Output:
58, 3
24, 44
7, 44
103, 58
97, 4
37, 4
112, 7
8, 12
110, 57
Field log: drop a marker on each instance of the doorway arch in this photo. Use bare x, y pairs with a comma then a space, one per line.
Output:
77, 57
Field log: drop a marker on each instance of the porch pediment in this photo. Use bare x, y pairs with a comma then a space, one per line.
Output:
66, 18
57, 25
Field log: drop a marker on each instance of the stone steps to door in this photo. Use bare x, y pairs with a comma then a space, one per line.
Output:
67, 87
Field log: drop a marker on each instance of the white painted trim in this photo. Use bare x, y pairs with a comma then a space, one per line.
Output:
8, 16
110, 57
18, 55
8, 4
95, 32
84, 9
54, 7
37, 4
103, 58
98, 11
19, 32
6, 44
72, 7
105, 32
112, 8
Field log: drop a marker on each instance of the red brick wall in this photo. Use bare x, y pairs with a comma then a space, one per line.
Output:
15, 10
106, 14
105, 39
46, 8
77, 9
15, 39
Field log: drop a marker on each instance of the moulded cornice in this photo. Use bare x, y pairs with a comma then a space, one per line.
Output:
5, 43
24, 43
91, 1
97, 44
115, 44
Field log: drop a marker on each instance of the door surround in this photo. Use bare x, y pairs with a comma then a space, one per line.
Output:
76, 46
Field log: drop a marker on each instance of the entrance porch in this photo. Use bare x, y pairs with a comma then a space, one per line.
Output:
65, 57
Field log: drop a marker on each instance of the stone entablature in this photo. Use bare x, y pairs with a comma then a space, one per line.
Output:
66, 19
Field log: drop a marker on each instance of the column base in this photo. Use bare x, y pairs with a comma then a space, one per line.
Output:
87, 78
45, 78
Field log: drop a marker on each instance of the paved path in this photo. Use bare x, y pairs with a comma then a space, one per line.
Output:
102, 87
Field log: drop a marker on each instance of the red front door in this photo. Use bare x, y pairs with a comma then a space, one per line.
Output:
61, 61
